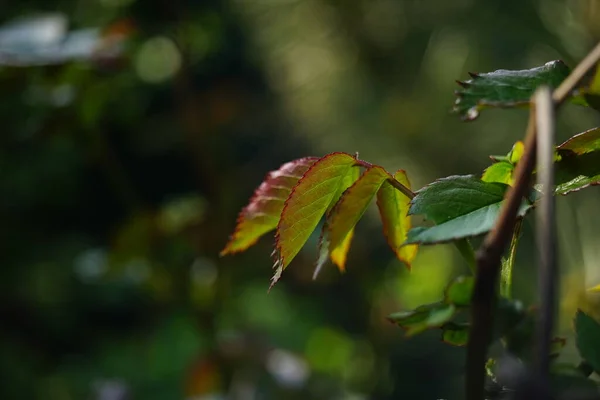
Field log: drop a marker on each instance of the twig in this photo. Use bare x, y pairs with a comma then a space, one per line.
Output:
546, 230
490, 253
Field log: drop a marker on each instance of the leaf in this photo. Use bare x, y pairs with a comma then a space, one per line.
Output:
504, 88
455, 334
337, 255
393, 209
306, 204
583, 143
353, 204
500, 172
461, 206
502, 169
592, 92
459, 291
424, 317
587, 338
262, 213
568, 379
575, 172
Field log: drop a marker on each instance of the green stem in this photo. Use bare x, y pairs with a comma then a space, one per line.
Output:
508, 263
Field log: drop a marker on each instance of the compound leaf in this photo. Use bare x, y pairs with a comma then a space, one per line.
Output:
504, 88
262, 213
308, 201
393, 209
461, 206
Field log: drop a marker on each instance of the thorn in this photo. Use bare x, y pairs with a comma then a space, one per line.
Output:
474, 75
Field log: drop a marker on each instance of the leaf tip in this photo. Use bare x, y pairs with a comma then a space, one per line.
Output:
473, 75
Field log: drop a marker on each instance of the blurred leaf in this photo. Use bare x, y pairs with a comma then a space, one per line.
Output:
582, 143
592, 93
393, 209
459, 291
587, 337
575, 172
557, 345
456, 334
43, 40
565, 377
504, 88
262, 214
424, 317
307, 203
461, 206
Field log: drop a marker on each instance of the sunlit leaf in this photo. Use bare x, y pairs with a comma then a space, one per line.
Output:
424, 317
262, 213
516, 152
461, 206
307, 203
504, 88
353, 204
455, 334
500, 172
587, 337
393, 208
502, 169
337, 255
459, 291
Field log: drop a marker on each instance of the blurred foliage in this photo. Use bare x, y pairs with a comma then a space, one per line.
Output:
133, 132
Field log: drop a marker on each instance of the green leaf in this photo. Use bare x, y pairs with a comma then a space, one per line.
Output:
459, 291
338, 254
587, 338
592, 92
583, 143
500, 172
306, 205
505, 88
565, 378
262, 213
456, 334
502, 169
461, 206
575, 172
393, 209
353, 204
338, 230
424, 317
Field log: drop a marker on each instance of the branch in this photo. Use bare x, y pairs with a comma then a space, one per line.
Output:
546, 230
490, 253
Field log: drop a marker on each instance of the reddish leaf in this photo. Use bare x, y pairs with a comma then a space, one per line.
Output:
262, 213
307, 203
393, 208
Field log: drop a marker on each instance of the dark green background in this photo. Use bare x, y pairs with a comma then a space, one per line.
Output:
117, 191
